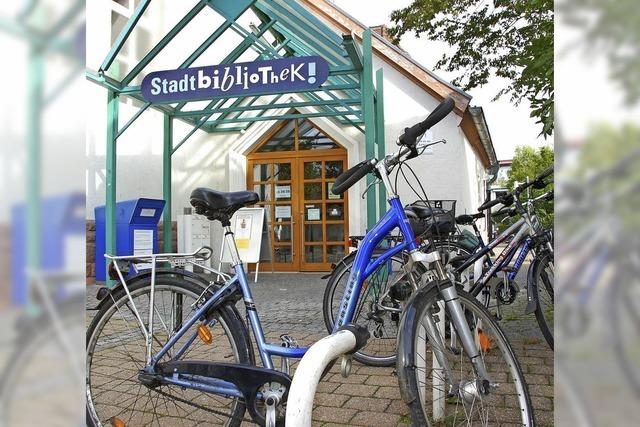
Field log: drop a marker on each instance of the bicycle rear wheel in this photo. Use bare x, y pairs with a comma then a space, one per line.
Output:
543, 276
426, 389
116, 352
377, 308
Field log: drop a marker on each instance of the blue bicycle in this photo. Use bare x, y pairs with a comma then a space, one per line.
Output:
168, 347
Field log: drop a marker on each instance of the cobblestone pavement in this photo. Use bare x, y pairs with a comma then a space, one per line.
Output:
292, 303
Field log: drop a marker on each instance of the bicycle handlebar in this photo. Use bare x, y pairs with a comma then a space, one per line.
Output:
410, 135
408, 142
352, 175
506, 200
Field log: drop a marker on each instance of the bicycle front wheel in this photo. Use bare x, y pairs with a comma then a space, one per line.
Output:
435, 398
116, 352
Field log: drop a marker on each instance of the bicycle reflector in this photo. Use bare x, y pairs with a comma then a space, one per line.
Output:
117, 422
485, 343
205, 334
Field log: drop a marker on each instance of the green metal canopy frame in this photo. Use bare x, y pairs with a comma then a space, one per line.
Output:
349, 95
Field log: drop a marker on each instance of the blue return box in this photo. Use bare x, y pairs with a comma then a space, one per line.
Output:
136, 230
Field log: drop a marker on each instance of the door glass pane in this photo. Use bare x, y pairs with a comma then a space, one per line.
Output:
263, 190
282, 232
313, 253
311, 138
312, 170
282, 254
313, 212
283, 212
261, 172
283, 192
313, 191
282, 171
335, 211
313, 232
335, 253
332, 169
332, 196
335, 232
283, 140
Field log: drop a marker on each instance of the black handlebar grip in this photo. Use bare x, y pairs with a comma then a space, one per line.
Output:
351, 176
548, 171
411, 134
505, 200
464, 219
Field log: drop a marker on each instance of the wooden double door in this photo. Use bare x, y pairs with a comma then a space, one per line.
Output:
308, 225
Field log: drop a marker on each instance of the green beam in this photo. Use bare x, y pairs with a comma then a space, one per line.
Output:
110, 187
380, 136
243, 108
231, 10
353, 50
166, 182
235, 53
124, 35
163, 42
273, 117
34, 164
369, 119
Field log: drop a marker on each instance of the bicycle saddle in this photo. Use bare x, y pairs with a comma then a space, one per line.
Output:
221, 205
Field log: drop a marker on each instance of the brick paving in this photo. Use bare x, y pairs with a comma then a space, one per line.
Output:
292, 303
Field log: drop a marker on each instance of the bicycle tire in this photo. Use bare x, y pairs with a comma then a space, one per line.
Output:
230, 323
544, 295
408, 364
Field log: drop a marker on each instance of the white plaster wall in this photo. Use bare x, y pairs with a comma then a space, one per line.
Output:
444, 173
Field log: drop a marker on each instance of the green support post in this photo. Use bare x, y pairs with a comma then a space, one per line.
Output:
34, 224
166, 182
380, 137
369, 119
113, 104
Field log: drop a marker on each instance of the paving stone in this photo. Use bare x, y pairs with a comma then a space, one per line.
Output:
357, 389
330, 399
374, 419
388, 392
367, 403
335, 415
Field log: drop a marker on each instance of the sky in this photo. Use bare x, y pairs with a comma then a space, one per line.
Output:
509, 125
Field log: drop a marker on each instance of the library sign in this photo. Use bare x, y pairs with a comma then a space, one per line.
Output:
293, 74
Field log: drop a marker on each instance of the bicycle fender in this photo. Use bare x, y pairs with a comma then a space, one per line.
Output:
532, 295
405, 359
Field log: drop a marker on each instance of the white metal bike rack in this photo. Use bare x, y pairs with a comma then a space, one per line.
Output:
305, 381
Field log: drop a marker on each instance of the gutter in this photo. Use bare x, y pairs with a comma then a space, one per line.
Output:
480, 121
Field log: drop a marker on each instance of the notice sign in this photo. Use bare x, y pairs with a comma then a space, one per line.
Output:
249, 230
243, 230
247, 78
283, 191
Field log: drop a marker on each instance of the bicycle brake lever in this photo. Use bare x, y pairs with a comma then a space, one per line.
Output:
374, 182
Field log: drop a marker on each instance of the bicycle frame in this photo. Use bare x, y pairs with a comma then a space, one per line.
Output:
521, 230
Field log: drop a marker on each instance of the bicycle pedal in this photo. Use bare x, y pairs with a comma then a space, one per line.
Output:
288, 341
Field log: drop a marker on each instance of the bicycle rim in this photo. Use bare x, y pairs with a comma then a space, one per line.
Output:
508, 400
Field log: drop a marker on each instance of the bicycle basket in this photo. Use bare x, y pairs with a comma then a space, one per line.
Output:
435, 218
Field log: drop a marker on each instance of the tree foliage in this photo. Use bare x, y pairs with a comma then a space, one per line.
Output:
509, 39
527, 164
